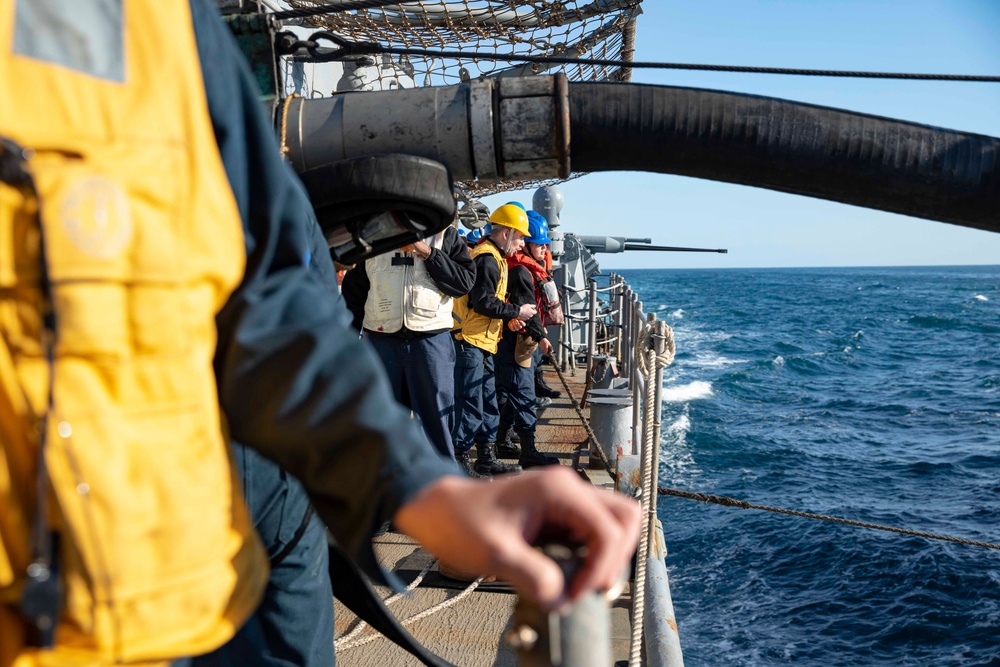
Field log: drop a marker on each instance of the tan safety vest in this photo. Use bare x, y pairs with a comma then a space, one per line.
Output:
474, 328
144, 245
403, 295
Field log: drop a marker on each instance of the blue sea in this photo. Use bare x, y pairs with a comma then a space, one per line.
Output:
870, 394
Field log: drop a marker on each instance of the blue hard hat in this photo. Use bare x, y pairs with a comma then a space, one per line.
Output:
517, 204
538, 232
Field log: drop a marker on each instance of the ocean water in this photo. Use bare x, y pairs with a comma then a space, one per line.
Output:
871, 394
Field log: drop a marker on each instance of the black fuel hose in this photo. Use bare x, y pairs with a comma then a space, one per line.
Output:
816, 151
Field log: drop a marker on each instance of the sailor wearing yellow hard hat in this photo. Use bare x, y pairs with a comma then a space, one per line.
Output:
479, 322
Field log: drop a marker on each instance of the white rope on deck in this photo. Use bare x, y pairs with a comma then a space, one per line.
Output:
348, 641
655, 350
342, 643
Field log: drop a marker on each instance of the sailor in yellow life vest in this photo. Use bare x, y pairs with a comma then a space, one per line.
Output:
479, 324
155, 275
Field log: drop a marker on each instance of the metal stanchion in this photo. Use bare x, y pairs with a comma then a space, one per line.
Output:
637, 318
625, 360
592, 325
619, 307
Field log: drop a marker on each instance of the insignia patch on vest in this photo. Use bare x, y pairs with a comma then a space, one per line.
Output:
96, 215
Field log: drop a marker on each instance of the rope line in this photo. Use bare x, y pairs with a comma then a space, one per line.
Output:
743, 504
441, 606
374, 48
343, 644
342, 641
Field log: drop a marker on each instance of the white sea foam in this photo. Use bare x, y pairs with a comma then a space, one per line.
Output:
662, 306
675, 455
680, 427
712, 360
982, 297
779, 361
692, 337
678, 314
688, 392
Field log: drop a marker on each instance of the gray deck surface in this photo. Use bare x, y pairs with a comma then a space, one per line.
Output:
470, 632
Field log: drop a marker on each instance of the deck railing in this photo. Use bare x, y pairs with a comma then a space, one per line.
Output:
618, 355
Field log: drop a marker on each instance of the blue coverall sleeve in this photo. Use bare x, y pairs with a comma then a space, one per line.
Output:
294, 382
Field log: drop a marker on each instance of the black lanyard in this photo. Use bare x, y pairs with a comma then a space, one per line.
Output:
41, 597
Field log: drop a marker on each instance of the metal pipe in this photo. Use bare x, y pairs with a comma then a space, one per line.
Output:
592, 325
619, 313
637, 383
563, 332
577, 637
626, 358
518, 128
662, 640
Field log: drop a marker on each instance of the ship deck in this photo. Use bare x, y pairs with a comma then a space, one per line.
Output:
470, 632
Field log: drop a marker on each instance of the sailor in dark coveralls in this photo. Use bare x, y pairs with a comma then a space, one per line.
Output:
515, 354
402, 301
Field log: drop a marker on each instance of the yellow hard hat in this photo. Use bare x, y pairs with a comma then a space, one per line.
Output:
510, 215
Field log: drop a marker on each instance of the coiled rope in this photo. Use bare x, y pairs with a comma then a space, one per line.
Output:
656, 346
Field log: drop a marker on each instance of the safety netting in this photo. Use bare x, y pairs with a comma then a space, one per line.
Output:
593, 29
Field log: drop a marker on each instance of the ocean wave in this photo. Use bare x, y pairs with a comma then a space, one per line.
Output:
678, 314
950, 323
679, 427
981, 297
692, 391
710, 360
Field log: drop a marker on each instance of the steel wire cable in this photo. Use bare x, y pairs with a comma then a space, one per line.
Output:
319, 10
374, 48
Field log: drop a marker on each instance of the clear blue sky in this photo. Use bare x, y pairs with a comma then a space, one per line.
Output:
770, 229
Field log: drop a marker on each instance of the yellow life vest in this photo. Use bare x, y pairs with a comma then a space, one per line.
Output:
475, 328
144, 245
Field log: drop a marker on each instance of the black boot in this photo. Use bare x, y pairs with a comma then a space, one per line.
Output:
487, 463
506, 447
530, 456
542, 389
465, 461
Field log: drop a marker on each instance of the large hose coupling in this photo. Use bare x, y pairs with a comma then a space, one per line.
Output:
508, 128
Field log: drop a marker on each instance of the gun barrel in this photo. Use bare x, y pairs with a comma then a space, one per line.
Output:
667, 248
